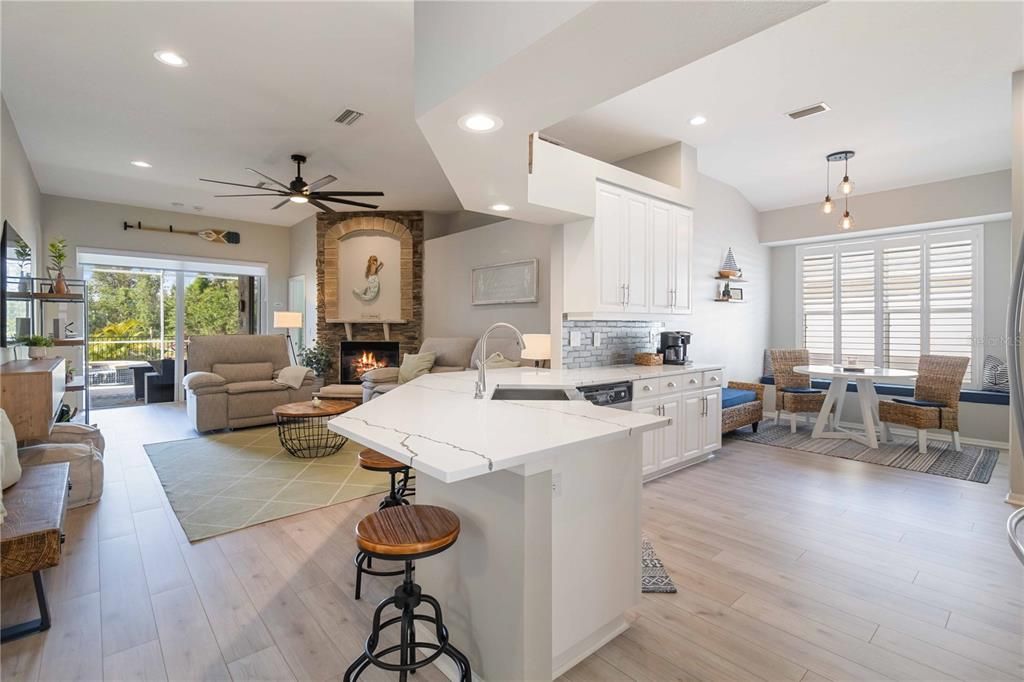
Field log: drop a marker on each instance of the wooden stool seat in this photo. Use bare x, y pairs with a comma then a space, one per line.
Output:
407, 531
372, 460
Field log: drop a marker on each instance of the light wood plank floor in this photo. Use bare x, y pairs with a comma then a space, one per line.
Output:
791, 566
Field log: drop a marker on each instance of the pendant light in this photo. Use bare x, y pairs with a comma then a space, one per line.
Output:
844, 189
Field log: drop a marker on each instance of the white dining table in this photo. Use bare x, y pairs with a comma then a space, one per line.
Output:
865, 379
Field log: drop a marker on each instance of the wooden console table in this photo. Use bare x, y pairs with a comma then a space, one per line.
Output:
32, 534
31, 392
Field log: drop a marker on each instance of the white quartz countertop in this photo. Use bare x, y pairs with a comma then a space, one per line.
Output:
434, 423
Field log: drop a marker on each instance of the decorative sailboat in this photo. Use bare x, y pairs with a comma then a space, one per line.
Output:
729, 267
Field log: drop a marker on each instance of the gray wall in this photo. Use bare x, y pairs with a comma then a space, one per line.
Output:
446, 278
302, 261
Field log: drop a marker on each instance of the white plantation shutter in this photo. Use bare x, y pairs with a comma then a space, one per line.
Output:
901, 304
818, 303
890, 300
857, 305
951, 274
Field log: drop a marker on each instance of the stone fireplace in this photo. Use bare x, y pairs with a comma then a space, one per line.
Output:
361, 356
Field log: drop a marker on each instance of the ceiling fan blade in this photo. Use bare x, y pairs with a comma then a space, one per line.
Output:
345, 201
316, 184
267, 177
322, 207
350, 194
275, 194
233, 184
280, 205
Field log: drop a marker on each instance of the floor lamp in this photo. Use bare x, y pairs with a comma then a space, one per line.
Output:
288, 320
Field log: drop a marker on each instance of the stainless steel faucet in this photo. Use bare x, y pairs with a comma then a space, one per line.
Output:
481, 362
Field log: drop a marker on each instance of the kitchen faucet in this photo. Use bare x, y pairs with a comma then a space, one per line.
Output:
481, 362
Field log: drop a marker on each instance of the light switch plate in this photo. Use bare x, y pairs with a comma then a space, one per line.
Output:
597, 339
575, 338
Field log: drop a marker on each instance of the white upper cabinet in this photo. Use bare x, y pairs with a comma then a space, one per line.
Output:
634, 260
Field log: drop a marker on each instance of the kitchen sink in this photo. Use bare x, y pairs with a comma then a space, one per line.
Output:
528, 393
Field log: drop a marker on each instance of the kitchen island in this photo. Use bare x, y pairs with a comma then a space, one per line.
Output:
548, 494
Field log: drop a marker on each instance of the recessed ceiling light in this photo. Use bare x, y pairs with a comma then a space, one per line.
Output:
170, 58
142, 164
298, 199
698, 120
501, 207
480, 123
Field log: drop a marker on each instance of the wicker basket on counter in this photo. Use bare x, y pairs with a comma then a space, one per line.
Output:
650, 359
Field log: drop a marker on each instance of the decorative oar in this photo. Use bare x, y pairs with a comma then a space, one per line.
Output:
215, 236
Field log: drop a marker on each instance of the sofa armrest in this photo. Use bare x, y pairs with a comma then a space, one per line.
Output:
197, 380
381, 375
758, 389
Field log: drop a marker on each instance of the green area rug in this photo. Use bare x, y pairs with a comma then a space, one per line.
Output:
226, 481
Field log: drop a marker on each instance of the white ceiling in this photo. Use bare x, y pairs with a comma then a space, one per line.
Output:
921, 91
265, 80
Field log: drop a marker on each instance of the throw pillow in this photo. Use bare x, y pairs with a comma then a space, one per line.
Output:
415, 366
381, 375
499, 361
10, 465
995, 375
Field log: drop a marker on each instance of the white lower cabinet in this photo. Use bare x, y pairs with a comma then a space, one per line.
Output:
695, 431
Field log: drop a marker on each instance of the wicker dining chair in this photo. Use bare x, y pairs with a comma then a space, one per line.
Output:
936, 401
793, 392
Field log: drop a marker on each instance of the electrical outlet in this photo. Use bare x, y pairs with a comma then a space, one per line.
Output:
597, 339
655, 337
575, 338
556, 484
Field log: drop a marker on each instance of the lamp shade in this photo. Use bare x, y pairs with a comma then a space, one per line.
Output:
538, 347
286, 319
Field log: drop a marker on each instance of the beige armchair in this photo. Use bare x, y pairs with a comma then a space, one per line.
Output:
79, 445
231, 383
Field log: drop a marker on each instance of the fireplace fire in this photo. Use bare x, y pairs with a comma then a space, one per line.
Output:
358, 357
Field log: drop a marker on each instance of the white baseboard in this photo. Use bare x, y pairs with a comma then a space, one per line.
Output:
933, 434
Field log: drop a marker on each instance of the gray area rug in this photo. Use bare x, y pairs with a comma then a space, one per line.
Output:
972, 464
654, 577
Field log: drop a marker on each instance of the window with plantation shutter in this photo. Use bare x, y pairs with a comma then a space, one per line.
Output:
888, 301
818, 303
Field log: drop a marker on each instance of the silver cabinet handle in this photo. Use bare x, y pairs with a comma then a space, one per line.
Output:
645, 387
622, 294
692, 380
714, 378
705, 401
671, 384
627, 294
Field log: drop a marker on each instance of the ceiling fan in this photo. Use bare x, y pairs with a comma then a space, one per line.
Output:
298, 190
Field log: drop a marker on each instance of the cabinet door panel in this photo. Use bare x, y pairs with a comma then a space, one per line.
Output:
652, 440
608, 234
672, 446
663, 256
682, 257
634, 249
713, 421
691, 425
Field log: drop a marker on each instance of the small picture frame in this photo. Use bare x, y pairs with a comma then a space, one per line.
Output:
735, 293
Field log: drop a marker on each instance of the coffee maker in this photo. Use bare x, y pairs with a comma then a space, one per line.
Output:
673, 347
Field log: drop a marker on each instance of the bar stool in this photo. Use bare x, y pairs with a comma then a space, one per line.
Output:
371, 460
407, 533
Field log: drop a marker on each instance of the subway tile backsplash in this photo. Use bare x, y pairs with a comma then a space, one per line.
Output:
619, 342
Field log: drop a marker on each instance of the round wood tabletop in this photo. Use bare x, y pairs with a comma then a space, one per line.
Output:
407, 530
326, 408
377, 461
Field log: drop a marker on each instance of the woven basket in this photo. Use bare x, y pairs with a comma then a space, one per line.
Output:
649, 359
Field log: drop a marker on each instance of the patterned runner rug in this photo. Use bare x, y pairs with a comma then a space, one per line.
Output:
973, 464
654, 577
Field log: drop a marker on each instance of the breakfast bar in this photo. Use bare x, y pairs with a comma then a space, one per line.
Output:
548, 495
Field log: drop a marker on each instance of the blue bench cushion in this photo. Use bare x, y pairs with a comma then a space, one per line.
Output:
967, 395
918, 403
800, 390
731, 397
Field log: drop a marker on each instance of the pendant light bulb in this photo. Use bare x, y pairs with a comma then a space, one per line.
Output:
847, 221
846, 186
826, 207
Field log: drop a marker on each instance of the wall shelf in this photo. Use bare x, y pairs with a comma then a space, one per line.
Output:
730, 279
727, 300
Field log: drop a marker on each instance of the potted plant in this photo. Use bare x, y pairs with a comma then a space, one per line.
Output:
58, 255
37, 345
316, 357
23, 254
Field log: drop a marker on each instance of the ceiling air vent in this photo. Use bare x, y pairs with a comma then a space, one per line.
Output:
804, 112
348, 117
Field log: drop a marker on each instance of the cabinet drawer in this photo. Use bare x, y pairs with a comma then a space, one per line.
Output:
687, 382
645, 388
713, 378
673, 384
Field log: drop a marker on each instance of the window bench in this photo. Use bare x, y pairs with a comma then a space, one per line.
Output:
967, 395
